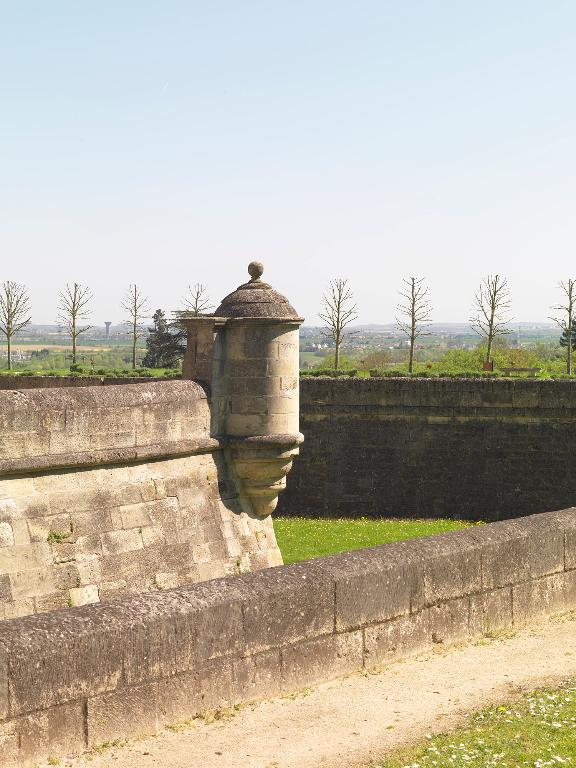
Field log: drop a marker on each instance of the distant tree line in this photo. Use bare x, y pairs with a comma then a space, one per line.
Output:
165, 340
490, 317
166, 343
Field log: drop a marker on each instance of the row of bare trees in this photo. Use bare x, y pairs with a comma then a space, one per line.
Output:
74, 309
136, 305
490, 315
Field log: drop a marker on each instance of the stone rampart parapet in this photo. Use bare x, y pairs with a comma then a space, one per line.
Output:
106, 491
75, 679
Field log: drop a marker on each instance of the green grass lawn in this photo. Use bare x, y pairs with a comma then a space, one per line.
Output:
538, 730
301, 538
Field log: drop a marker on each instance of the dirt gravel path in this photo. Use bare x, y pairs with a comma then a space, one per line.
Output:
349, 723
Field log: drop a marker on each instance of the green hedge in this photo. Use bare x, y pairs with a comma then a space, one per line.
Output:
113, 373
331, 372
387, 374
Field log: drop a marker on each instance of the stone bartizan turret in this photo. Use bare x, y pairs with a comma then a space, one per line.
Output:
248, 352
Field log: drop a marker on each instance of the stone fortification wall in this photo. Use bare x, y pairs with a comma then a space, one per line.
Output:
111, 490
56, 382
483, 449
78, 678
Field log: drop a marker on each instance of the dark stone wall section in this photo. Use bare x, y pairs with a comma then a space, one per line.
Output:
476, 449
77, 678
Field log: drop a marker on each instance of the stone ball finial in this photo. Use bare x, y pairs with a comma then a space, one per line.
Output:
255, 269
256, 299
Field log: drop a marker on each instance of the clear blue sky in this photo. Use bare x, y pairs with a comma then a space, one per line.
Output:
170, 142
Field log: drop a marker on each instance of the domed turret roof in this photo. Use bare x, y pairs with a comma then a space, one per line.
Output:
256, 299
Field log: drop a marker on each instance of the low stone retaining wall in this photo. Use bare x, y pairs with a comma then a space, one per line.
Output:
76, 678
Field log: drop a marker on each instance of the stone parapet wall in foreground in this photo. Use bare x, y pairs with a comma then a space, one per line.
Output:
76, 678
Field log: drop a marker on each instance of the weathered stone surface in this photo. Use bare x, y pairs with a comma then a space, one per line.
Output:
131, 710
449, 622
397, 639
4, 696
254, 360
94, 533
567, 520
452, 567
101, 417
322, 658
491, 612
9, 747
60, 382
258, 676
6, 535
546, 547
126, 668
84, 595
506, 557
477, 449
57, 731
371, 589
44, 672
537, 599
286, 606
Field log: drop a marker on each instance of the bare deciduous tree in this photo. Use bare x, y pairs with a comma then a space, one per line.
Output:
72, 308
339, 310
491, 310
14, 312
416, 309
136, 305
566, 321
198, 302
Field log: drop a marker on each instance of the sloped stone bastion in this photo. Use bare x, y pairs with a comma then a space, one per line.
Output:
112, 490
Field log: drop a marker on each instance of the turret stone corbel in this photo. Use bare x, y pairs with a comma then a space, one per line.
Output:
248, 351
